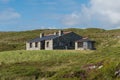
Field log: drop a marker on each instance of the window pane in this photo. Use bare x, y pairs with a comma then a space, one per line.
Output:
30, 45
47, 44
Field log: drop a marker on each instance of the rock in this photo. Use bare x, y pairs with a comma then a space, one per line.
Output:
117, 73
92, 67
100, 66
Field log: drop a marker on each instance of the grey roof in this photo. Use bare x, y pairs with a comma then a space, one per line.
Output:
85, 40
43, 38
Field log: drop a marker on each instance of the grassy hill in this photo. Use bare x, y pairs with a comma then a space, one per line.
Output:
16, 40
101, 64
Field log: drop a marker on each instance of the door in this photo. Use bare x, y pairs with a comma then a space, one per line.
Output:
42, 44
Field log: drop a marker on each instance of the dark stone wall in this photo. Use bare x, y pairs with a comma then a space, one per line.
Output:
66, 41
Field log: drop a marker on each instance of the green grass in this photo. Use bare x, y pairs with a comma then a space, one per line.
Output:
23, 55
18, 64
59, 64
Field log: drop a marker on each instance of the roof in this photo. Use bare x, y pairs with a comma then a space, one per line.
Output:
47, 37
43, 38
85, 40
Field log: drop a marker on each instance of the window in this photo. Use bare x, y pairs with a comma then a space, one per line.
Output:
47, 44
30, 45
36, 44
80, 44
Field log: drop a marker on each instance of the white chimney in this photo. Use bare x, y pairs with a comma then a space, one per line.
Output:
41, 35
60, 33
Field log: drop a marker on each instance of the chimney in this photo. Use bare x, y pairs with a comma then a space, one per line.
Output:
55, 33
60, 33
41, 35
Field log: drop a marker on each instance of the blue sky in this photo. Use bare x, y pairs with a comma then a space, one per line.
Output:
18, 15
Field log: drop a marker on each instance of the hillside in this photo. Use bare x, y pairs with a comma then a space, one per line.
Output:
102, 64
16, 40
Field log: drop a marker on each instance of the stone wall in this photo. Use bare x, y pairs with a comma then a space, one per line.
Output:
33, 46
49, 45
67, 41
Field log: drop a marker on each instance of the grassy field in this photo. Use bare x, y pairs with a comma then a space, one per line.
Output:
18, 64
60, 65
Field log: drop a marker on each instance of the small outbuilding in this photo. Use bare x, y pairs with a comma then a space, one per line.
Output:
84, 44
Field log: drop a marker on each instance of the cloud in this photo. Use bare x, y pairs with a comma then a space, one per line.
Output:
72, 19
107, 8
9, 15
104, 13
4, 1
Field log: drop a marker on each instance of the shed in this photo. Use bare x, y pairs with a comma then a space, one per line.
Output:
84, 44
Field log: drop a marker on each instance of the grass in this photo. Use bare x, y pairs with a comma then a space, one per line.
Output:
59, 64
18, 64
23, 55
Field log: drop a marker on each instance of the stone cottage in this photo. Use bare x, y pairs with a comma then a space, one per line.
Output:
59, 40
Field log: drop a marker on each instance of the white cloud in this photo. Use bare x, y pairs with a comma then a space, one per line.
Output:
110, 9
72, 19
104, 13
8, 16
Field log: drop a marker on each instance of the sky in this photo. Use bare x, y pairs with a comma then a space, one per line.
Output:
21, 15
